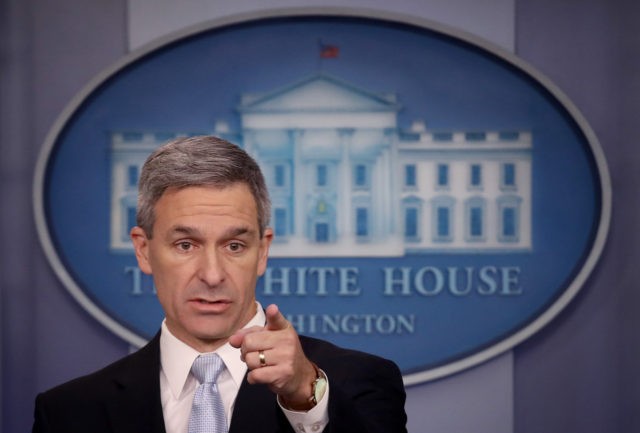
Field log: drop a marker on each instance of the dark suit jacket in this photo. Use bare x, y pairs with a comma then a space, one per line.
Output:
366, 395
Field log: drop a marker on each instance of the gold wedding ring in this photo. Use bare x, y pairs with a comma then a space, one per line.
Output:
262, 358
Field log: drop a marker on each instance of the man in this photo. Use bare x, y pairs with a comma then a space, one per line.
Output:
202, 232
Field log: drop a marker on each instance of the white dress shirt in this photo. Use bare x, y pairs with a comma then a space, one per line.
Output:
177, 385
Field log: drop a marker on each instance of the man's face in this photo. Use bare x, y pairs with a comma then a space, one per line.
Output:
205, 256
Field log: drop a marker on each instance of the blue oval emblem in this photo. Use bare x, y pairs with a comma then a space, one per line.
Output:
435, 200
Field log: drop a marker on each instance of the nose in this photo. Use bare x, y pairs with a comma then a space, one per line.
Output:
211, 268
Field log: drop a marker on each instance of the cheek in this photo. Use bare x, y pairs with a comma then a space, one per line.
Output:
168, 286
258, 263
247, 284
164, 297
262, 267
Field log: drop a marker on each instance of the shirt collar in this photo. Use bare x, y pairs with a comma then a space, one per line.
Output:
176, 357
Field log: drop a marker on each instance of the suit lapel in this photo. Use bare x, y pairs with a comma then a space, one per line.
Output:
136, 405
256, 409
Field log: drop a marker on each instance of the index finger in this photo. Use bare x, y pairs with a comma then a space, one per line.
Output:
275, 320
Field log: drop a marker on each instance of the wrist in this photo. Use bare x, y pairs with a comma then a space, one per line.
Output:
309, 394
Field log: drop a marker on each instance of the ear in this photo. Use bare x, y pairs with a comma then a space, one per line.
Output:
141, 247
265, 243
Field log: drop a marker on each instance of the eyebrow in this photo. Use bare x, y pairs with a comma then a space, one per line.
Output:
238, 231
194, 232
184, 230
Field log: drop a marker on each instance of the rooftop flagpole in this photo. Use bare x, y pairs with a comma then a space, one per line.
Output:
326, 51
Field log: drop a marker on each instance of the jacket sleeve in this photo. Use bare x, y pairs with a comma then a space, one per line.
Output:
39, 417
366, 392
369, 398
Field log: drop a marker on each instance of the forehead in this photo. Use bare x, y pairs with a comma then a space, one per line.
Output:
235, 199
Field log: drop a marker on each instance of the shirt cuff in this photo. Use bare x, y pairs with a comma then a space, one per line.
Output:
313, 420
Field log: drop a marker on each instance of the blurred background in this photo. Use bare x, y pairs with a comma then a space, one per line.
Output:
578, 374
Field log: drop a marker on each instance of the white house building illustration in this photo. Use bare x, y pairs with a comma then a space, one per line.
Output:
346, 181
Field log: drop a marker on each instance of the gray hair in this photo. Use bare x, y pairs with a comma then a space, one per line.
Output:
198, 161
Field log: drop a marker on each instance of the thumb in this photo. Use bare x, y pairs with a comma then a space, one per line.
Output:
236, 339
275, 320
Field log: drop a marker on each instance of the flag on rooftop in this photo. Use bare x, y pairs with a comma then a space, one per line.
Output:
328, 51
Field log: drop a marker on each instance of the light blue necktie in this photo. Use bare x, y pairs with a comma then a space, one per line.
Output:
207, 411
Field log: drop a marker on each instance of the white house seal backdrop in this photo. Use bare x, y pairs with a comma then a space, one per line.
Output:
435, 200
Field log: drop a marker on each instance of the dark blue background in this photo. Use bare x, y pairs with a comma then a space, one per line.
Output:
448, 83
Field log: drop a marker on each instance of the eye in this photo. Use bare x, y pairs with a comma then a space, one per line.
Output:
184, 245
235, 247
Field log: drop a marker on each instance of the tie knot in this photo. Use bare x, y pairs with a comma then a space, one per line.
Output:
207, 367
